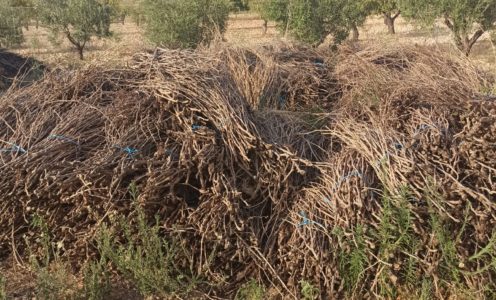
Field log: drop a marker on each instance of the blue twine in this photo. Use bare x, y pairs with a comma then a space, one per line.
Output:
354, 173
319, 64
282, 100
422, 127
62, 138
15, 148
343, 179
130, 151
307, 221
398, 146
195, 127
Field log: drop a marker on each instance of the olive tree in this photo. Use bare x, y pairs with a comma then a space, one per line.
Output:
11, 22
240, 5
467, 20
184, 23
352, 14
25, 10
313, 20
389, 9
77, 20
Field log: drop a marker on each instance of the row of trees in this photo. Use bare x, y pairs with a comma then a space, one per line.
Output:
171, 23
188, 23
313, 20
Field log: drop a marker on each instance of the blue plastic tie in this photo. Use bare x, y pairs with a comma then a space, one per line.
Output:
15, 148
398, 146
320, 64
354, 173
195, 127
62, 138
307, 221
130, 151
423, 127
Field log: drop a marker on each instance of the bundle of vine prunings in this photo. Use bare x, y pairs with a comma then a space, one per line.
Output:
176, 126
406, 207
370, 173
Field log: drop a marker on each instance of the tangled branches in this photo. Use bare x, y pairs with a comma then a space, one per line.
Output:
362, 173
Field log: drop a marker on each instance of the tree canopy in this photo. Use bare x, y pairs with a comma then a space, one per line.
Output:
77, 20
313, 20
11, 21
184, 23
468, 20
389, 9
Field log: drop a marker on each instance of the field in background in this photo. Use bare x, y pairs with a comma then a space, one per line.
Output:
244, 29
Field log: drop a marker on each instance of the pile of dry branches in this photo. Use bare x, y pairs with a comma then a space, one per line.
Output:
279, 158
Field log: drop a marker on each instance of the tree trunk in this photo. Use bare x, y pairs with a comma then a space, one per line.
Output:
464, 44
80, 52
288, 21
76, 43
354, 33
469, 43
389, 21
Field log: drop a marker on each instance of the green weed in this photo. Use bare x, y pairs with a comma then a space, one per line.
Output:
251, 290
352, 264
426, 291
3, 288
397, 243
96, 280
52, 275
309, 291
144, 257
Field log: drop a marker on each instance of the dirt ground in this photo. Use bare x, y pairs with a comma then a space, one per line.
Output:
244, 29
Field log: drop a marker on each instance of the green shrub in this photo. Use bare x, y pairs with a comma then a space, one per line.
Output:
10, 25
309, 291
184, 23
144, 257
311, 21
251, 290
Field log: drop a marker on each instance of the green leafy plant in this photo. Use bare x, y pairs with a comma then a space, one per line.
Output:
251, 290
52, 275
184, 23
353, 262
309, 291
96, 280
144, 257
312, 21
